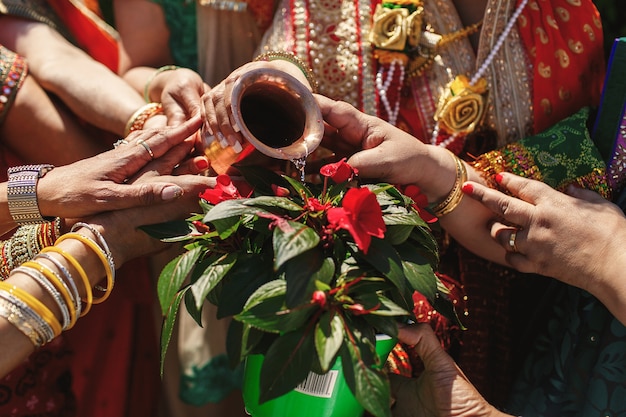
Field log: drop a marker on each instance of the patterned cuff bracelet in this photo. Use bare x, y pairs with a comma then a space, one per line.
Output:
22, 193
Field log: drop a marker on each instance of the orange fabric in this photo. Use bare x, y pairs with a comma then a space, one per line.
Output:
562, 38
93, 35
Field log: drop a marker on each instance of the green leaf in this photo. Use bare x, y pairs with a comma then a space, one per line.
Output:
211, 276
382, 256
167, 230
286, 363
273, 201
298, 186
194, 311
328, 339
266, 310
418, 272
425, 243
301, 272
168, 325
388, 308
230, 208
249, 273
261, 179
174, 274
370, 386
292, 241
398, 234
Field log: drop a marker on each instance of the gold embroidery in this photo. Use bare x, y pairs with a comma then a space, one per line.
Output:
546, 106
576, 46
552, 22
564, 94
589, 31
544, 70
543, 37
533, 5
563, 14
574, 2
563, 58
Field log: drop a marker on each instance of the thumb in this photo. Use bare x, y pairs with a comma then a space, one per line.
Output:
424, 341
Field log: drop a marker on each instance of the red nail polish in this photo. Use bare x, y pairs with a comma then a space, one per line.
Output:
202, 164
499, 177
467, 188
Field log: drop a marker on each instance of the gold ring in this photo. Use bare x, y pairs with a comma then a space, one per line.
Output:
146, 147
512, 238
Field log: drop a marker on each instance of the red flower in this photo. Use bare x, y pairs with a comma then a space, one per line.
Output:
360, 215
339, 171
313, 204
224, 190
280, 191
421, 202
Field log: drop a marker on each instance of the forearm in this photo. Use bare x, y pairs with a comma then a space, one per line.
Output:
16, 345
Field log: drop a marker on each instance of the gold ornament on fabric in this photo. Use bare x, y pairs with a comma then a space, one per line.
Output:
396, 29
462, 106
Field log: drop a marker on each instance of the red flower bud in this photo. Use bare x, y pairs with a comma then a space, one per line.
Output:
319, 298
280, 191
201, 227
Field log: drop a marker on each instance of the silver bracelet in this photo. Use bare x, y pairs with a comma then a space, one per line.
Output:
22, 193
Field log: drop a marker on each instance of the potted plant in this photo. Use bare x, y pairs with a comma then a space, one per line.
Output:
309, 272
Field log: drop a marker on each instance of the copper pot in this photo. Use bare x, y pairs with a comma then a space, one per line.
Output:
276, 114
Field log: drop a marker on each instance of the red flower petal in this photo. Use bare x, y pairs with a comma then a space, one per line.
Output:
339, 171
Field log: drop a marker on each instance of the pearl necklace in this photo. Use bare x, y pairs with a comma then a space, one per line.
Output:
483, 68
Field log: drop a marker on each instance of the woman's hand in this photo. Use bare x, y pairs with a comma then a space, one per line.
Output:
217, 102
577, 237
442, 390
180, 92
110, 181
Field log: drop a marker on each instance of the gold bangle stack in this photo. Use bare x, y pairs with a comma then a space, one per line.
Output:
456, 194
139, 117
289, 57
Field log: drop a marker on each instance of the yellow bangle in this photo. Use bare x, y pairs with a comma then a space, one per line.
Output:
105, 261
58, 283
36, 305
139, 117
146, 88
289, 57
456, 194
81, 272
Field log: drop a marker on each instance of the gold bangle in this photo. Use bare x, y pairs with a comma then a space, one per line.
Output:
289, 57
15, 315
103, 258
81, 272
456, 194
36, 305
61, 287
141, 115
146, 88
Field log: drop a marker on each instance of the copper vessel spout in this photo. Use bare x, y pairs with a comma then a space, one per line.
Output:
276, 115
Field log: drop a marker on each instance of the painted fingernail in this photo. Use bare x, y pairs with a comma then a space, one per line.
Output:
237, 147
202, 163
222, 139
499, 177
467, 188
171, 192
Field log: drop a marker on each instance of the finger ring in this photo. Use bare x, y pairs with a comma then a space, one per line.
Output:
146, 147
120, 142
512, 246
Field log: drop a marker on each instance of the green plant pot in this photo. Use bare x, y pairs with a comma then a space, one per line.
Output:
319, 396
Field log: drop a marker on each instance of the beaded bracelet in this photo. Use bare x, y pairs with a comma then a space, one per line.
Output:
13, 71
88, 299
139, 117
146, 88
103, 257
456, 194
289, 57
61, 287
35, 305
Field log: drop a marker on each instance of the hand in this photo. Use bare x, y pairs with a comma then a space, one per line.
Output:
120, 228
442, 390
109, 181
217, 102
576, 237
381, 151
181, 95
